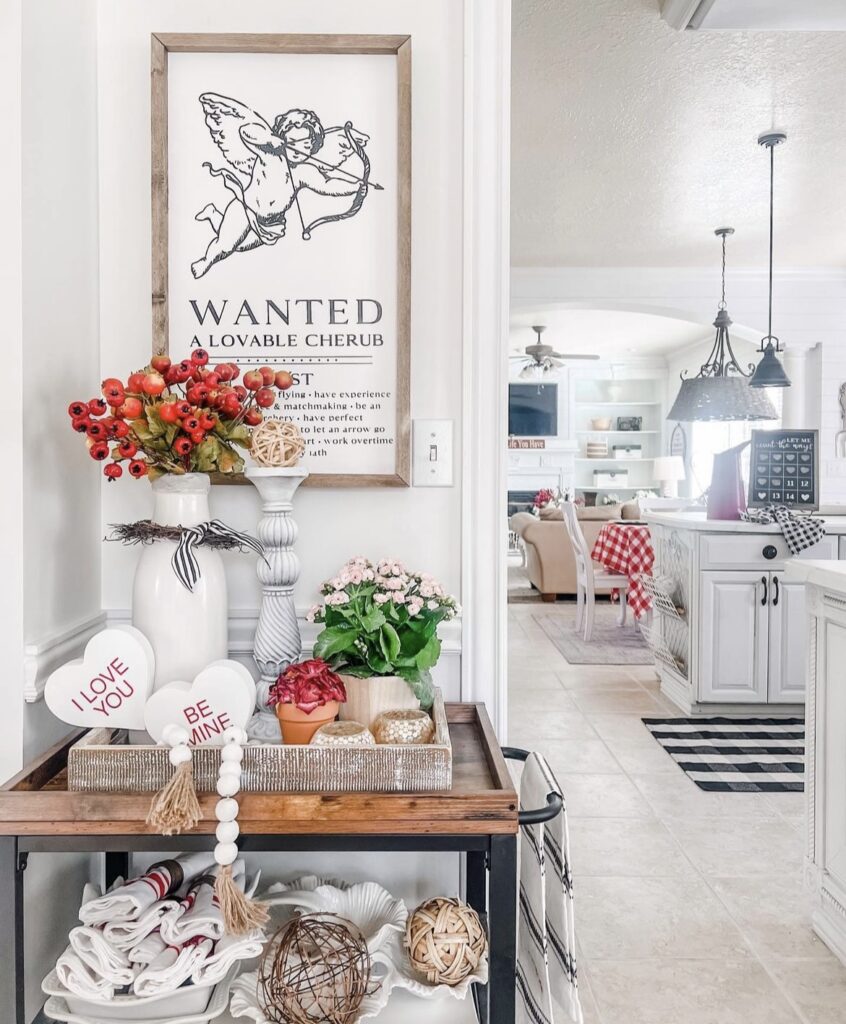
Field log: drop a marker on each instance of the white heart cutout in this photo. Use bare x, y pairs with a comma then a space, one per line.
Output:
109, 685
222, 694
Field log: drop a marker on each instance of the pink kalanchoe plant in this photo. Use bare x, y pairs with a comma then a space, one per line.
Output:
381, 619
308, 685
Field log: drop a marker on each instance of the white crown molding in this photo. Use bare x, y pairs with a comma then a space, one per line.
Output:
522, 275
44, 656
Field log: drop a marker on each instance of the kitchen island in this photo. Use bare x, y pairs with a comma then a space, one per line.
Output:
729, 630
825, 749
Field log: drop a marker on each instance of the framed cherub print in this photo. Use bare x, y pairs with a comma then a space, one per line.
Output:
281, 219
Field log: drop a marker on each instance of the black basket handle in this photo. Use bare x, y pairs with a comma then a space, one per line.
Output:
537, 815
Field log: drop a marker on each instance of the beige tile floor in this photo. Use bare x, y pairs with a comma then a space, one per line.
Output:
689, 905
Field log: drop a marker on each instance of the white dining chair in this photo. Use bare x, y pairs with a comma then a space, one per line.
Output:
591, 578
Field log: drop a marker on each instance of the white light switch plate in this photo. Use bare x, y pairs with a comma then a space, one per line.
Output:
431, 461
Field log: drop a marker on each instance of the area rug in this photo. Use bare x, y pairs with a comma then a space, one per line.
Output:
736, 755
610, 644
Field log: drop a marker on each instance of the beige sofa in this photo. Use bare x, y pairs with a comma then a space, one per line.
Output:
549, 557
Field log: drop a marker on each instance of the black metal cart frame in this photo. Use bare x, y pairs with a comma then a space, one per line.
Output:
490, 874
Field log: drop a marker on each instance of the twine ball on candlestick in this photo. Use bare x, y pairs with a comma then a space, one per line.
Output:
277, 443
445, 940
315, 970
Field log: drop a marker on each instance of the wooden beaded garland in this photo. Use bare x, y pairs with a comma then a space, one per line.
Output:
445, 940
277, 443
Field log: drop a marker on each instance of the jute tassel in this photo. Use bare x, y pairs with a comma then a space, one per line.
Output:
240, 913
175, 807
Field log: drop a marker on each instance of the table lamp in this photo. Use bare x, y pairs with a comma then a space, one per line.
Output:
668, 470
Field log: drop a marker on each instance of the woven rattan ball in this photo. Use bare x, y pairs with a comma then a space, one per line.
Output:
445, 940
315, 970
277, 443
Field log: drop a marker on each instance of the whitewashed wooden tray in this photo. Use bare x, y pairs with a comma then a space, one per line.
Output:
104, 762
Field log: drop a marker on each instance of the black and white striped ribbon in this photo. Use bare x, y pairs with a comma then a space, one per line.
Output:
184, 559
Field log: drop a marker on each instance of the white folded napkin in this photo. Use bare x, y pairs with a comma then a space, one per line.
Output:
100, 957
125, 935
229, 950
132, 899
82, 980
171, 967
198, 914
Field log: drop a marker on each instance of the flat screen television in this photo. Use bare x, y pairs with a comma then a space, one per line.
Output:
533, 410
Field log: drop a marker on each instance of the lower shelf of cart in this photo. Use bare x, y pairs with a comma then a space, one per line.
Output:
402, 1008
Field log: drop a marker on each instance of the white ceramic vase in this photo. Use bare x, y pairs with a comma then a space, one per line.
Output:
369, 698
188, 629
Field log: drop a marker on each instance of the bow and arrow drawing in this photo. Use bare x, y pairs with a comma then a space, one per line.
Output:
268, 167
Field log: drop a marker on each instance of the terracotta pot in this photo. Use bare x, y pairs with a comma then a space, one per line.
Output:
369, 698
298, 726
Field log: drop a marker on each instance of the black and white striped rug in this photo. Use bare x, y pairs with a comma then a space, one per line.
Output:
736, 755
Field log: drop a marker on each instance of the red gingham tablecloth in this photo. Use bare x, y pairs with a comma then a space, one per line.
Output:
627, 549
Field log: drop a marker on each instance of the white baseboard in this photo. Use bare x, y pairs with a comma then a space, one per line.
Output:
46, 655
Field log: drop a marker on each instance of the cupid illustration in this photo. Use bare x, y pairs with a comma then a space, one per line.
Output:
269, 167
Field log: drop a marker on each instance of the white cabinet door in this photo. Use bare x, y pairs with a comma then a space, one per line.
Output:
788, 641
733, 636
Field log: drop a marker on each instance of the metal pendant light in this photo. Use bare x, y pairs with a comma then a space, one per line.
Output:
720, 391
770, 373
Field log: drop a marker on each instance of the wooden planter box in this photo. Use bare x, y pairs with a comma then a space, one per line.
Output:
102, 761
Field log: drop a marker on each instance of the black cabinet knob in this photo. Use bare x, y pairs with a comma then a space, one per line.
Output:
770, 551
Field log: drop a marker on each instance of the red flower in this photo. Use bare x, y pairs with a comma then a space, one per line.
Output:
543, 497
309, 685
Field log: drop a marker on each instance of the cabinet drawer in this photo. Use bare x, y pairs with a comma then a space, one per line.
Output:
746, 551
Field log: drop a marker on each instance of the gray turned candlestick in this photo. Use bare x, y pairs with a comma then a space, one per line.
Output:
277, 641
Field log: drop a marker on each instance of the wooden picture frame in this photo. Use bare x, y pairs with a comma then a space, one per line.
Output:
398, 46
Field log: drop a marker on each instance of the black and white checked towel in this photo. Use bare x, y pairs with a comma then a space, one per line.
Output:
547, 985
800, 530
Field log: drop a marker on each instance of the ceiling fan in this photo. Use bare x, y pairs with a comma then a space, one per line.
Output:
541, 360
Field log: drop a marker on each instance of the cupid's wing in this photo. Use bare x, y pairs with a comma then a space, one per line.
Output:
225, 117
336, 149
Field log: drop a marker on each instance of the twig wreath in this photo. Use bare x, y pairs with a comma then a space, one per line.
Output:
145, 531
213, 534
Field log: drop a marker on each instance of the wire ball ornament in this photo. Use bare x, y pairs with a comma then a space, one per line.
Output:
445, 940
277, 443
315, 970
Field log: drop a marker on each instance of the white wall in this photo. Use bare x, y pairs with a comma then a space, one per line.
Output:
62, 534
48, 277
418, 525
809, 310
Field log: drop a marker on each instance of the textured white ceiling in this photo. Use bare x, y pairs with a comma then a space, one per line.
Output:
631, 141
617, 334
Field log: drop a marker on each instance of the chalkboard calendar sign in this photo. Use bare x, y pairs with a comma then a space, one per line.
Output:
784, 468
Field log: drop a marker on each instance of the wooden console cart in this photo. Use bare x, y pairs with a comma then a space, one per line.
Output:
477, 817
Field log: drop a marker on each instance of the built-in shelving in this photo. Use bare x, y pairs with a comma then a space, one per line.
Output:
610, 399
